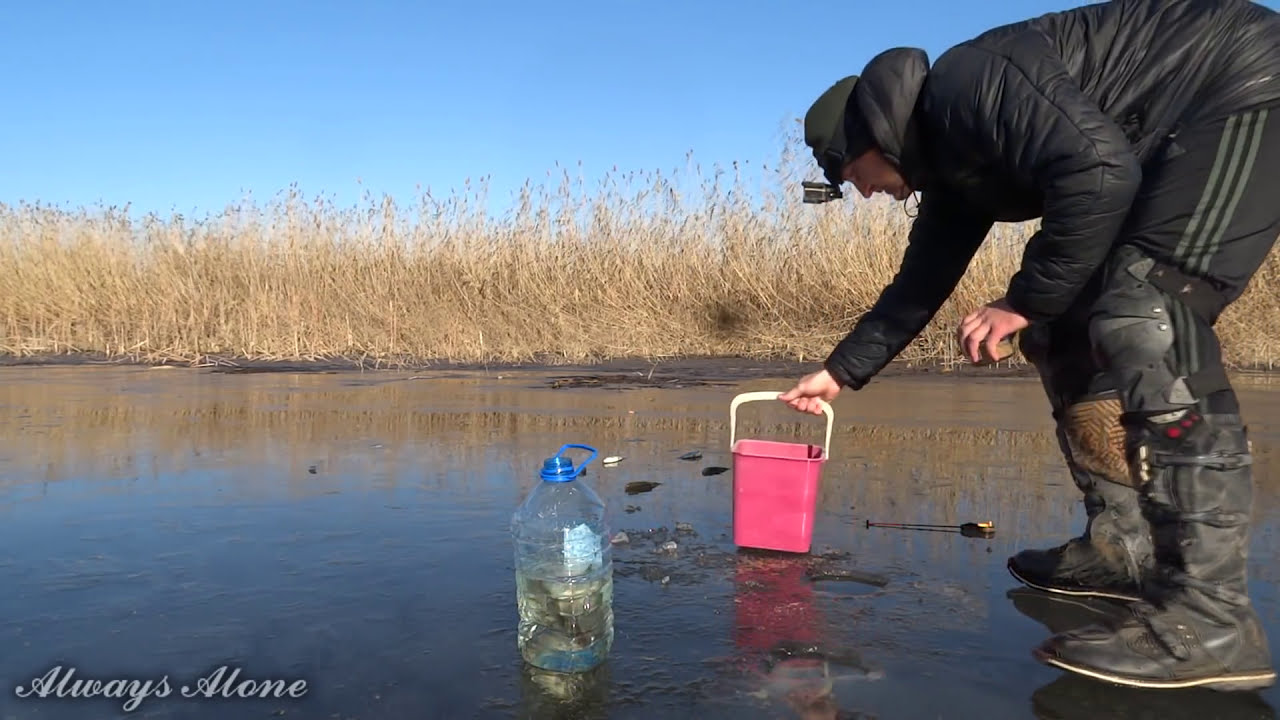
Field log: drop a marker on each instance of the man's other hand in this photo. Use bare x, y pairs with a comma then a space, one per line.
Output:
984, 328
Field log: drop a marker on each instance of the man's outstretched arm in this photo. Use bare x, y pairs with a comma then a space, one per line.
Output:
942, 243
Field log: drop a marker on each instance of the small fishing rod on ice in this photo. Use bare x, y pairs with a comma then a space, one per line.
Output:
985, 529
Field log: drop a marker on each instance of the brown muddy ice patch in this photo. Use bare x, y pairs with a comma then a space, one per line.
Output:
352, 528
634, 379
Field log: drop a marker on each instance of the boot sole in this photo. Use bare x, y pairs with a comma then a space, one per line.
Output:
1073, 593
1225, 683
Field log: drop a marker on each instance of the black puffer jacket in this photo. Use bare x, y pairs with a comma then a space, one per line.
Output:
1053, 118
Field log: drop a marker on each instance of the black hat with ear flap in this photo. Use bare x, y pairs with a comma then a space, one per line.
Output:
836, 130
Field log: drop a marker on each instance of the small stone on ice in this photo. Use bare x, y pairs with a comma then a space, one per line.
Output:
620, 538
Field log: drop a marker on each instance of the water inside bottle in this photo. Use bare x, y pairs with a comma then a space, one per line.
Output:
566, 623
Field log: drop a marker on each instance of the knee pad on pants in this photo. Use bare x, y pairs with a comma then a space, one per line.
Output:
1130, 327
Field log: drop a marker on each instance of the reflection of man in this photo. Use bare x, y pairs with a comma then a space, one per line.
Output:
1146, 136
813, 704
818, 702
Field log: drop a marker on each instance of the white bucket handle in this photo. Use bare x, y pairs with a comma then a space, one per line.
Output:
772, 395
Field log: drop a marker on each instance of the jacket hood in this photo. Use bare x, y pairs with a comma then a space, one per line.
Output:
886, 95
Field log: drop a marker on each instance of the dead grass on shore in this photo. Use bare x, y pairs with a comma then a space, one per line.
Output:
640, 269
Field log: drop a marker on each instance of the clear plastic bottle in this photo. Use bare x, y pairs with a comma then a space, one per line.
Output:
564, 570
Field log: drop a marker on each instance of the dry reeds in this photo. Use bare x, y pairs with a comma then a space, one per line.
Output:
635, 270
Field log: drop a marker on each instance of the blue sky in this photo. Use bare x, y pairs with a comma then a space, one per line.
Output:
184, 106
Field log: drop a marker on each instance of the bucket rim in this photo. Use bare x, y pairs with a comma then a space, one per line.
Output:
737, 452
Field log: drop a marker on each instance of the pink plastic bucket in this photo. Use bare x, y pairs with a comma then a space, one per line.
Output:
775, 486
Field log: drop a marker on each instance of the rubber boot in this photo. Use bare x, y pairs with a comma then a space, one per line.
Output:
1197, 626
1110, 557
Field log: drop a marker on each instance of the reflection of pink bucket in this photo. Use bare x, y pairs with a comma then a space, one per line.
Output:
773, 604
775, 486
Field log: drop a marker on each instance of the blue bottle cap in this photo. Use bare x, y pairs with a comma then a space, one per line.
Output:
559, 468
